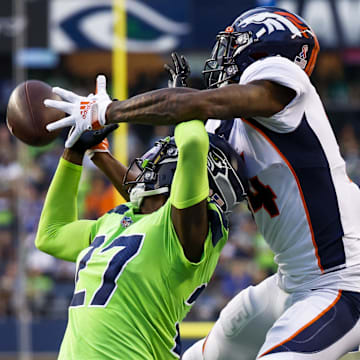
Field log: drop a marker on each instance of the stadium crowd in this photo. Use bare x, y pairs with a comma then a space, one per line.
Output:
26, 172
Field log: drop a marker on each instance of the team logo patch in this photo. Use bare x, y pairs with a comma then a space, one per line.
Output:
126, 221
301, 59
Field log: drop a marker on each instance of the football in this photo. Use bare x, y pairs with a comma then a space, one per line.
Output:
27, 116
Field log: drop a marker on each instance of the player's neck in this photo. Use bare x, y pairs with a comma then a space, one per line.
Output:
152, 203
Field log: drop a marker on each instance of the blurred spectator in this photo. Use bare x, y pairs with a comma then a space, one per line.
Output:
7, 287
330, 78
38, 291
237, 278
99, 199
350, 151
31, 203
10, 173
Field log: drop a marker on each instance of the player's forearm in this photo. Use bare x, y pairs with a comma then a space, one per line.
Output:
176, 105
114, 170
159, 107
59, 232
190, 188
190, 184
73, 156
172, 106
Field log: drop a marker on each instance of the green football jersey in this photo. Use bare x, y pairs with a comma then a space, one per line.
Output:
134, 285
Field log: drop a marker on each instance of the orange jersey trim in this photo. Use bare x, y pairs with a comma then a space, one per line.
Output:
299, 187
306, 325
204, 344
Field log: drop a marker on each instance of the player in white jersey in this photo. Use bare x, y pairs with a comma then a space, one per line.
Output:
306, 207
302, 200
309, 217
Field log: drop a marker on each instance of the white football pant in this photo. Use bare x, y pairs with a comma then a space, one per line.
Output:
264, 322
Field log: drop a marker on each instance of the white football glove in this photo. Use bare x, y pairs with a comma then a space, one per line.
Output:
85, 113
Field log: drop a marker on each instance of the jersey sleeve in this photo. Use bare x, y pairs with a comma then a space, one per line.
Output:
284, 72
60, 233
190, 184
182, 268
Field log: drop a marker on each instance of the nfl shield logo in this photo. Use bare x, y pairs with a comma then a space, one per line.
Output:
126, 221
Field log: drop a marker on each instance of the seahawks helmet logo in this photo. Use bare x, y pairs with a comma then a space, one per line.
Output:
226, 188
217, 164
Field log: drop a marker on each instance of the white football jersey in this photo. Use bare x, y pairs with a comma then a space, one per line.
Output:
304, 204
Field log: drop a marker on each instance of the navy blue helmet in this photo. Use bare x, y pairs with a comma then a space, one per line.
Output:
258, 33
226, 172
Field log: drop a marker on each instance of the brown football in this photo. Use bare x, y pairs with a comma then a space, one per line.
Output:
27, 116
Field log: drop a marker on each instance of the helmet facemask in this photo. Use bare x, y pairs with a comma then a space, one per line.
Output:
157, 168
222, 67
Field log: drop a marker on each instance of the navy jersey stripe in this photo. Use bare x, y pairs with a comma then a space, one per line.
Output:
225, 128
120, 209
303, 152
215, 224
331, 325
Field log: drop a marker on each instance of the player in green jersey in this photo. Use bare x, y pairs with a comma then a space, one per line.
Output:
141, 266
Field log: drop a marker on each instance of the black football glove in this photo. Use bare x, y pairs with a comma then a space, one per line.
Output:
91, 138
181, 71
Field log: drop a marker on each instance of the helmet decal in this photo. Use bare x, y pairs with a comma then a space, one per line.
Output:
272, 22
301, 59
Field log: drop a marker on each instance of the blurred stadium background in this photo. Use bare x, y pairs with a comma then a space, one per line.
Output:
67, 43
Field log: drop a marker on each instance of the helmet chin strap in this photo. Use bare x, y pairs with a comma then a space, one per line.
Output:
224, 83
138, 193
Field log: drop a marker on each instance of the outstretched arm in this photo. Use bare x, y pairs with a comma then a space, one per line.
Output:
169, 106
172, 106
59, 224
190, 188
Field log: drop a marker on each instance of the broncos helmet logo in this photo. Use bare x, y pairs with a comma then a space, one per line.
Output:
279, 20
